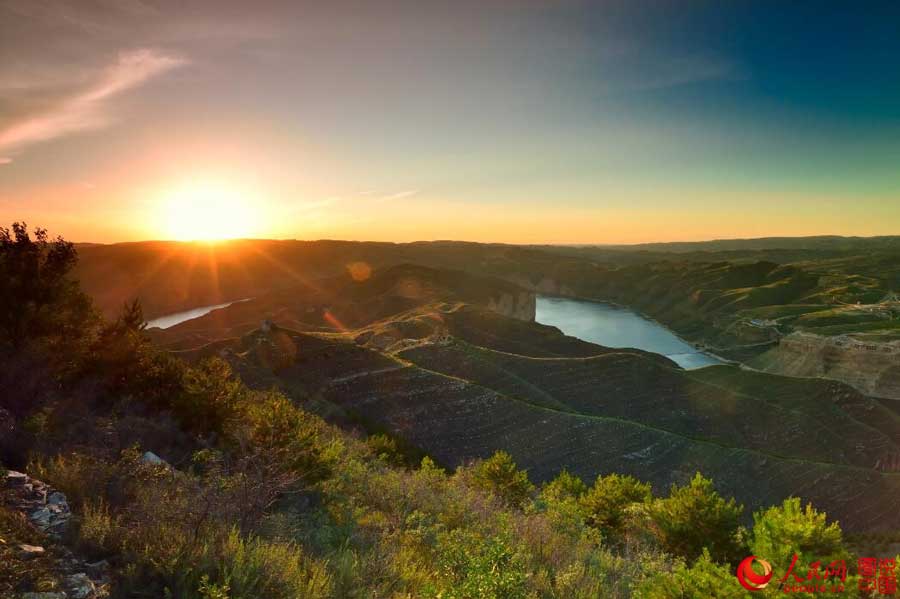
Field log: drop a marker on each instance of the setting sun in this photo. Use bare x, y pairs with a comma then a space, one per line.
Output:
207, 212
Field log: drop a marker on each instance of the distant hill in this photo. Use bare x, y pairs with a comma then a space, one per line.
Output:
817, 242
169, 276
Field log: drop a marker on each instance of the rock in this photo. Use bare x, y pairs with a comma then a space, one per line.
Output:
30, 551
98, 569
42, 596
80, 586
151, 458
16, 479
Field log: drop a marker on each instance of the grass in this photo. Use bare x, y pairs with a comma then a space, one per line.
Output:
16, 575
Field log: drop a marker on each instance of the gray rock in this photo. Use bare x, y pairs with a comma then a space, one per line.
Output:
98, 569
30, 551
16, 479
80, 586
153, 459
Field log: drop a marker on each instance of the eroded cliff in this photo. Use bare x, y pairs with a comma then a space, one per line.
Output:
871, 367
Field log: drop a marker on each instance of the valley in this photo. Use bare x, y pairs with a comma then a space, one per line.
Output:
454, 365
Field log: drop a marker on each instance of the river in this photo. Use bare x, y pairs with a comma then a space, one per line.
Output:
614, 326
170, 320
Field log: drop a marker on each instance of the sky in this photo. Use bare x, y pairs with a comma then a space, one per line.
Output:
532, 121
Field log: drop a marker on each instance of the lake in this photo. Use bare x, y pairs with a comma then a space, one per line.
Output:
614, 326
170, 320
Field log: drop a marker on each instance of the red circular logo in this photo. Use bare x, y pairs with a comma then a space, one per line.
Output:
748, 577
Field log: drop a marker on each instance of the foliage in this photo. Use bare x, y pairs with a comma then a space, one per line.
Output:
606, 502
704, 578
37, 299
473, 567
385, 448
15, 572
564, 487
499, 475
694, 517
781, 531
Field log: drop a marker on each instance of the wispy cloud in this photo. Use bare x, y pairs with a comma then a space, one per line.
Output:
400, 195
87, 109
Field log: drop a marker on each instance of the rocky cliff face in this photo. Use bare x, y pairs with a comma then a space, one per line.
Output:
545, 286
521, 305
873, 368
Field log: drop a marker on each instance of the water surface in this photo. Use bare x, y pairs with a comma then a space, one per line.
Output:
614, 326
170, 320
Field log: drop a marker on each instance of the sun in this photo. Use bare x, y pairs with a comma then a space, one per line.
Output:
206, 211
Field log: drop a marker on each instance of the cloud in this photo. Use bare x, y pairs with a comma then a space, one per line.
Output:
87, 108
401, 194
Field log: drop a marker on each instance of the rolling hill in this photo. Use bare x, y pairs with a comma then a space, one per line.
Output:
448, 374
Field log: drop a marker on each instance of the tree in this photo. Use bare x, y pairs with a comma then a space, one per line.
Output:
500, 476
38, 300
564, 487
605, 503
782, 531
696, 516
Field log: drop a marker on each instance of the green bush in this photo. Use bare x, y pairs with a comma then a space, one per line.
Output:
694, 517
565, 487
500, 476
781, 532
704, 578
473, 567
605, 503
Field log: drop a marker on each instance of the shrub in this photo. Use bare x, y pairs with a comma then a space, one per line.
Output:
251, 567
704, 578
782, 531
500, 476
385, 448
605, 504
564, 487
473, 567
210, 397
98, 530
696, 516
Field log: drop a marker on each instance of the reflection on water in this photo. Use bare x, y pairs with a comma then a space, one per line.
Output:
614, 326
170, 320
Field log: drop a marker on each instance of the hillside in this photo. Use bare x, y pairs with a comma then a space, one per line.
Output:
459, 381
362, 459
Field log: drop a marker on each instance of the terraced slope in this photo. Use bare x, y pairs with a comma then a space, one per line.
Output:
740, 413
460, 380
612, 412
456, 420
